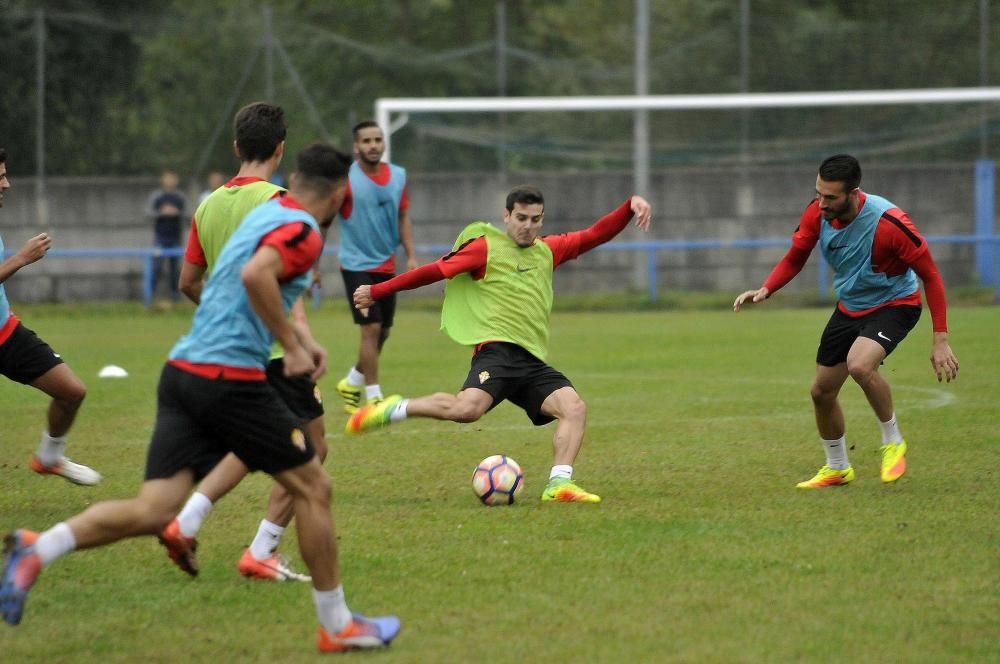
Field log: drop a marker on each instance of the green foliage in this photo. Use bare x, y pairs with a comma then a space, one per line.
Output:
699, 425
134, 87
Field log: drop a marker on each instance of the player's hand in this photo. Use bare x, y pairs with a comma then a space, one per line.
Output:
298, 362
169, 210
35, 248
754, 296
943, 361
319, 356
642, 211
363, 298
411, 263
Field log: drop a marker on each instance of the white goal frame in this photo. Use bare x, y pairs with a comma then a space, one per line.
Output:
385, 107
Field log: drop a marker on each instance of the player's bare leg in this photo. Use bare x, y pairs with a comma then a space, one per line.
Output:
372, 340
67, 392
570, 412
830, 423
260, 560
863, 361
467, 406
309, 486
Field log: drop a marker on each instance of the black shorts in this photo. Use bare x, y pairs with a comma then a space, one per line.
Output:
200, 420
25, 357
300, 394
886, 326
383, 311
507, 371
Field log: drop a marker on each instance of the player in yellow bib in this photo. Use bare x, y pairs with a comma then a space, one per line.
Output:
498, 300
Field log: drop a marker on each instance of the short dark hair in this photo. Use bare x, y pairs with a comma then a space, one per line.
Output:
526, 195
841, 168
364, 124
259, 129
321, 167
3, 155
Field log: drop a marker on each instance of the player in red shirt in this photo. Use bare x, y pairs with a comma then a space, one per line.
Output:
874, 250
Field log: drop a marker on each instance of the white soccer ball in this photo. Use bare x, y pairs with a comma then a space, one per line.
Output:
497, 480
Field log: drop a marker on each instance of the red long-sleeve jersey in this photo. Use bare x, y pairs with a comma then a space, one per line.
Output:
896, 247
471, 256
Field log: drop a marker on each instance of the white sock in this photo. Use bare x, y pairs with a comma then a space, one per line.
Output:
195, 512
398, 413
562, 472
355, 377
51, 449
836, 453
54, 543
373, 391
267, 539
890, 431
331, 609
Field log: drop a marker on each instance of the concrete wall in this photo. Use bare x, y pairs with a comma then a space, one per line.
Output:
689, 203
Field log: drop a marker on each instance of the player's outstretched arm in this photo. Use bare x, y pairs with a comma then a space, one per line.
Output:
32, 251
943, 360
752, 296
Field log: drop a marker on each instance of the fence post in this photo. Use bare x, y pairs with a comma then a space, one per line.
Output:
651, 277
147, 280
985, 224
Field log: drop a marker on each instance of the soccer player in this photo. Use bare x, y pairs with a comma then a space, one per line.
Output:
374, 220
874, 250
259, 143
214, 398
498, 300
26, 359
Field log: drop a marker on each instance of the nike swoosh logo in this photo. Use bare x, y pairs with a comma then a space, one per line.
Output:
839, 246
884, 337
524, 269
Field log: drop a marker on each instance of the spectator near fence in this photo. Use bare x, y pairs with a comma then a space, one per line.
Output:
166, 208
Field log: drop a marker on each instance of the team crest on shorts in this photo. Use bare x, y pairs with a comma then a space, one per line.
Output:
317, 395
299, 439
483, 376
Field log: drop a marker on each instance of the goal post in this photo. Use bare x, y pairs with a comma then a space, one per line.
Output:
385, 107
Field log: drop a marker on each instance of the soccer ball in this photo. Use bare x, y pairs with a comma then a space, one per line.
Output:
497, 480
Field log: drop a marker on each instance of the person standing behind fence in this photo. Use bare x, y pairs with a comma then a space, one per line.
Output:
374, 220
874, 250
26, 359
166, 208
215, 180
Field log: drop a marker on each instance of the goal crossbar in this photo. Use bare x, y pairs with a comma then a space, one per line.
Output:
386, 106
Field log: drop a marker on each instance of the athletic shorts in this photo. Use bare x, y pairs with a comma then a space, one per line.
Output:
383, 311
507, 371
24, 357
300, 393
886, 326
200, 420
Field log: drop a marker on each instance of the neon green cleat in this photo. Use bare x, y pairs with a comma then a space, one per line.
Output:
351, 395
372, 416
827, 476
893, 461
562, 490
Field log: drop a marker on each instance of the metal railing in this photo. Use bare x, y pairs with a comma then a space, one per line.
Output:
984, 243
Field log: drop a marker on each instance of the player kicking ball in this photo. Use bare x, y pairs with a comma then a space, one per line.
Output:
213, 398
498, 300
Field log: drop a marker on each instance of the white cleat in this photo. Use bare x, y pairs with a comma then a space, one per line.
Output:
73, 472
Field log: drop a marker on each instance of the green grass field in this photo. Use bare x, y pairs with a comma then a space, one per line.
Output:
700, 424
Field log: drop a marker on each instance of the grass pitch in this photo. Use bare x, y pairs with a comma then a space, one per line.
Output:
700, 425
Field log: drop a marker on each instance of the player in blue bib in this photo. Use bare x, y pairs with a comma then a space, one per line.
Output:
213, 398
